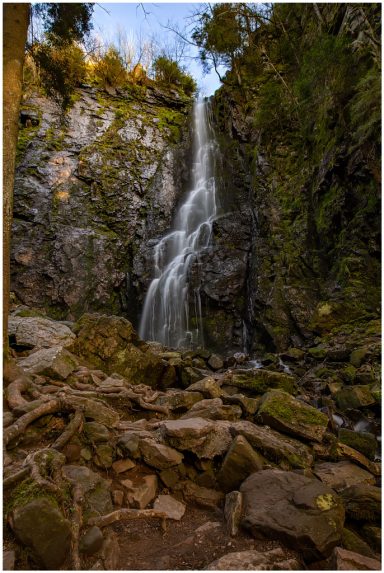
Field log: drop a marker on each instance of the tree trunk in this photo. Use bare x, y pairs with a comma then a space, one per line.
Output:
15, 28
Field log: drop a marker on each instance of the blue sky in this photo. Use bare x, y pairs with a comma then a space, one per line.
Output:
131, 17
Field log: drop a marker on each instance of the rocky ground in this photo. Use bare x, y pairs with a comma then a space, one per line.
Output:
121, 454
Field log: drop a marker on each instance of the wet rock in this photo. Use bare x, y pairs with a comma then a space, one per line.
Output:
259, 380
213, 409
111, 344
215, 362
141, 492
240, 461
208, 386
55, 362
354, 397
38, 332
363, 442
96, 432
159, 456
275, 446
343, 560
233, 509
362, 502
41, 526
339, 475
255, 561
353, 542
302, 512
283, 412
91, 541
121, 466
203, 437
179, 400
169, 505
96, 492
202, 496
9, 560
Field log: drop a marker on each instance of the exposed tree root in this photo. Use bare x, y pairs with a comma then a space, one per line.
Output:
75, 425
15, 478
23, 422
77, 521
125, 515
14, 391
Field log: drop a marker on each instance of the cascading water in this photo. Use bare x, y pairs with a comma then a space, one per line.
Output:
165, 316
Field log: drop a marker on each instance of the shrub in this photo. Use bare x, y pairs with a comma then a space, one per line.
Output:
168, 73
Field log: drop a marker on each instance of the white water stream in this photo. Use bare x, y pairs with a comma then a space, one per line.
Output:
165, 316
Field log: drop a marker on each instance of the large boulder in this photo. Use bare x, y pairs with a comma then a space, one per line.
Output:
213, 409
159, 456
302, 512
95, 490
343, 560
259, 380
283, 412
110, 343
253, 560
240, 461
362, 502
39, 332
339, 475
55, 362
40, 525
204, 438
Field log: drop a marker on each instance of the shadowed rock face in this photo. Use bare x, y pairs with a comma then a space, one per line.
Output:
89, 193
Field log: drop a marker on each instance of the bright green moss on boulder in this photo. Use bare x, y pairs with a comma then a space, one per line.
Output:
261, 380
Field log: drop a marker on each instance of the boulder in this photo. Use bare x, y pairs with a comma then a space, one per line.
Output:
283, 412
213, 409
344, 560
141, 491
121, 466
95, 489
233, 509
204, 438
96, 432
248, 405
362, 502
339, 475
128, 442
259, 380
354, 542
253, 560
38, 332
274, 446
103, 457
207, 386
302, 512
215, 362
372, 535
111, 344
179, 400
171, 506
55, 362
202, 496
364, 442
96, 410
159, 456
240, 461
91, 541
354, 397
40, 525
190, 375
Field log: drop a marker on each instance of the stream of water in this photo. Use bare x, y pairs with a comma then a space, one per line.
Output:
166, 312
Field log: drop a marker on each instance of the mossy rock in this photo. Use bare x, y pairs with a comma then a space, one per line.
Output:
260, 381
353, 542
363, 442
284, 413
354, 397
357, 356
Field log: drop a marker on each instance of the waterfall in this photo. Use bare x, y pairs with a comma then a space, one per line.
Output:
165, 316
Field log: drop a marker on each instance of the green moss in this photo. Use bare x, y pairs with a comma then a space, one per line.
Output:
363, 442
281, 405
264, 380
27, 491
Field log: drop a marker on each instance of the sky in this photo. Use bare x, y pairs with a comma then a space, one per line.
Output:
149, 19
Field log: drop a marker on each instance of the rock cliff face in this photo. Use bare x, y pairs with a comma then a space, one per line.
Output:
92, 189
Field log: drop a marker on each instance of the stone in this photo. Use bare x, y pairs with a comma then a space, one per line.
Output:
169, 477
253, 560
204, 438
96, 410
233, 509
95, 489
169, 505
9, 558
159, 456
190, 375
72, 452
96, 432
364, 442
55, 362
248, 405
293, 354
259, 380
346, 452
118, 497
103, 457
215, 362
91, 541
274, 446
207, 386
302, 512
358, 356
339, 475
353, 542
111, 552
354, 397
179, 400
213, 409
372, 534
202, 496
121, 466
362, 502
240, 461
39, 332
284, 413
111, 344
344, 560
141, 492
41, 526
